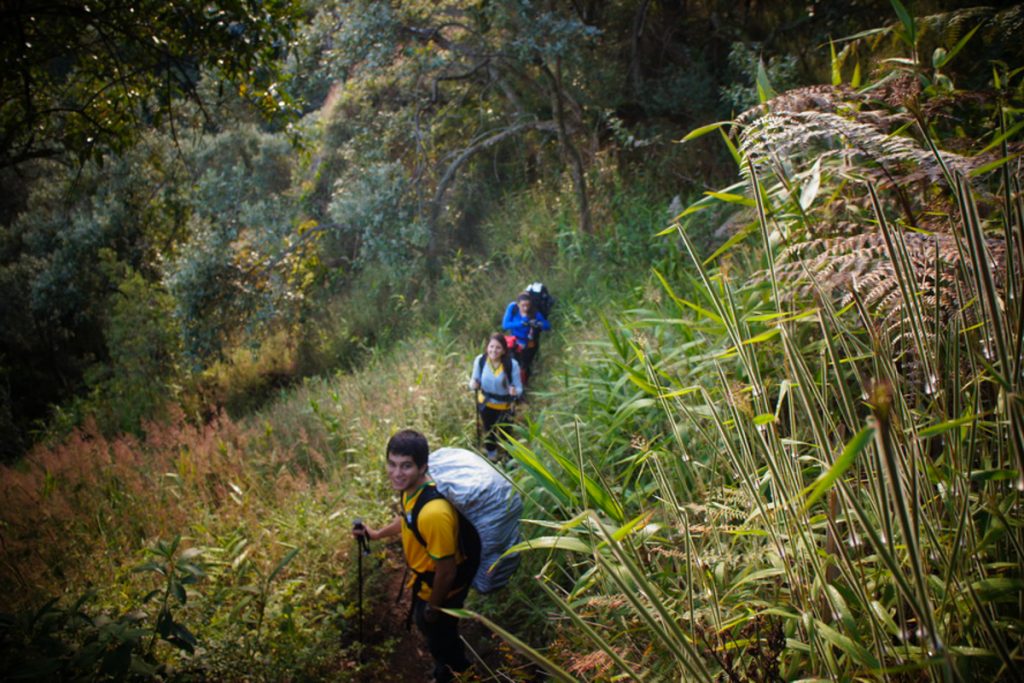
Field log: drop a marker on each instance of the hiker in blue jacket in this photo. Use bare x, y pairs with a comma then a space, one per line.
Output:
497, 381
526, 324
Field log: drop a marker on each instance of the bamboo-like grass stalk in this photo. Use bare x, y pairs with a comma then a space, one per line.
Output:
656, 611
795, 524
879, 526
631, 671
685, 478
995, 309
524, 648
881, 405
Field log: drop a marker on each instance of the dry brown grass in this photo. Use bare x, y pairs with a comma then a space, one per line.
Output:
74, 512
79, 512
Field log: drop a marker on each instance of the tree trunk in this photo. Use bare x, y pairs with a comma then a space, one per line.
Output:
437, 203
569, 150
635, 75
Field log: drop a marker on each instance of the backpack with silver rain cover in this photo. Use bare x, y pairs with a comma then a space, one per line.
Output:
489, 502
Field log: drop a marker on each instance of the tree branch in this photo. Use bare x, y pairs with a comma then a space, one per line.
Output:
466, 75
466, 154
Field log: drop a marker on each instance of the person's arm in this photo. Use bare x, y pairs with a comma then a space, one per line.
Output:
516, 385
544, 324
392, 528
474, 380
439, 524
509, 321
444, 579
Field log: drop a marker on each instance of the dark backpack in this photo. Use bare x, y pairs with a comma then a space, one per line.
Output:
540, 297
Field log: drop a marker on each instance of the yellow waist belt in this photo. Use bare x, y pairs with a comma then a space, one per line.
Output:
493, 405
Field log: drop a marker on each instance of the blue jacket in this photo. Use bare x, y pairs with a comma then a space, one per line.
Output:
514, 323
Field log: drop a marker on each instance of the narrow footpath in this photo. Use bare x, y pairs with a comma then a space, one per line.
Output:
393, 654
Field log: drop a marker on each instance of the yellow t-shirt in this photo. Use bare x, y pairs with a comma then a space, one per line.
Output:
438, 523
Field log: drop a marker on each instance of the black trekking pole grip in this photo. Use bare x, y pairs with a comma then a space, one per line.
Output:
362, 539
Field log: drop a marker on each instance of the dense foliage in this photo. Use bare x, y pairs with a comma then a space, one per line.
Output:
245, 241
415, 120
83, 78
804, 460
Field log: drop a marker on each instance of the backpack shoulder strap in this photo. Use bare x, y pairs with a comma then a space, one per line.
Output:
469, 541
428, 494
506, 379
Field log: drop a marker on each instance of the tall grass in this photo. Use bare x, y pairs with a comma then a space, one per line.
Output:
80, 518
781, 471
258, 500
261, 507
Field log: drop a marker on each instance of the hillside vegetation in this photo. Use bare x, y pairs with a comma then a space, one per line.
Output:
777, 432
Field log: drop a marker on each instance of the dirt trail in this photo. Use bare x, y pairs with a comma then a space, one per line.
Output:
389, 653
392, 654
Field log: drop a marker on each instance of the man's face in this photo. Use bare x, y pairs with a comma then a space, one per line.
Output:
403, 473
524, 307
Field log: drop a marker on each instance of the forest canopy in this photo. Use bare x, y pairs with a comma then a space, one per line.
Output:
229, 167
83, 79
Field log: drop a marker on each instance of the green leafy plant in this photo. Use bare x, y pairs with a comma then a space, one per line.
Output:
758, 79
71, 643
256, 595
179, 570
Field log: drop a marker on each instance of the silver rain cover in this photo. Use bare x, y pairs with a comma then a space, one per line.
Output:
489, 502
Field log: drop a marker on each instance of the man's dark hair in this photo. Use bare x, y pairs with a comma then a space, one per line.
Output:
411, 443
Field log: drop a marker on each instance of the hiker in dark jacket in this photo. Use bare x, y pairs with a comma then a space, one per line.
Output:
436, 561
498, 383
526, 324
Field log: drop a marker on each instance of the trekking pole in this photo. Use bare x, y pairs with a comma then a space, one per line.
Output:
364, 549
401, 586
479, 427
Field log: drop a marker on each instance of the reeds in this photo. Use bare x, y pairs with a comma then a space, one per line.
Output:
833, 459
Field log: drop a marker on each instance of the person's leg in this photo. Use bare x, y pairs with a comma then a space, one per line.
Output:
526, 361
443, 641
490, 417
503, 421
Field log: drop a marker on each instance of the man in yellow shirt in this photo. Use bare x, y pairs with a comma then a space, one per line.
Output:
429, 527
